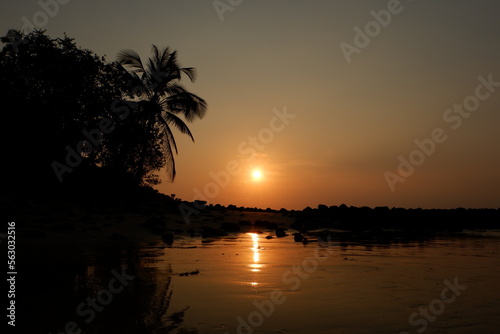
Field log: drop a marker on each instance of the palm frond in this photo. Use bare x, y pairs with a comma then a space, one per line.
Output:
191, 105
190, 72
132, 59
178, 123
170, 162
169, 154
172, 64
160, 56
153, 73
171, 89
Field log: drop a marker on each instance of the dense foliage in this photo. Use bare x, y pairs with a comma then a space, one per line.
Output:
72, 119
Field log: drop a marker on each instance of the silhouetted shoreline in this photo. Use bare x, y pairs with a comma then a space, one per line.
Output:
136, 213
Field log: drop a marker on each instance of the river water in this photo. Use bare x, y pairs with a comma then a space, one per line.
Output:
250, 284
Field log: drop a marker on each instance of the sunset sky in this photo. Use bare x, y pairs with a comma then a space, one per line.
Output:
321, 110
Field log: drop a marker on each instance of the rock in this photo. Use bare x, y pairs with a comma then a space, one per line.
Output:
305, 241
187, 273
280, 232
298, 237
168, 238
269, 237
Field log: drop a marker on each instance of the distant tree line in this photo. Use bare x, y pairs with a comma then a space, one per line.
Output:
380, 219
71, 119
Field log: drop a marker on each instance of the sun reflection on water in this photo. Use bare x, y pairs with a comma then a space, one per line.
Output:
255, 266
255, 248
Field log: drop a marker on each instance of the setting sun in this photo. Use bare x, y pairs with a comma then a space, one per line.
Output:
257, 175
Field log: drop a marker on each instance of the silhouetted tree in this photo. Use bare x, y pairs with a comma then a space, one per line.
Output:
51, 90
55, 96
161, 100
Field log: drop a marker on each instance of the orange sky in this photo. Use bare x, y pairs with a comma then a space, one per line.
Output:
353, 116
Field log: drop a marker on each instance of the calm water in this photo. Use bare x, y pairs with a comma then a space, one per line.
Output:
249, 284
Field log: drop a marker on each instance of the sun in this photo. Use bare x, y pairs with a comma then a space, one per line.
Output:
257, 175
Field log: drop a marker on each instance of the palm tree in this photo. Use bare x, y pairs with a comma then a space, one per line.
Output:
161, 100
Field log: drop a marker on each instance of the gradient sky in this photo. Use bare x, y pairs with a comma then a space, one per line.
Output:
352, 120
